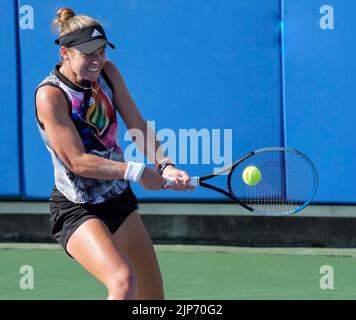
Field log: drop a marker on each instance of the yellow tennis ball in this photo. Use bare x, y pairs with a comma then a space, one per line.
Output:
251, 175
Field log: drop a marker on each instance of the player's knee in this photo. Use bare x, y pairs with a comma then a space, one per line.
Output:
122, 284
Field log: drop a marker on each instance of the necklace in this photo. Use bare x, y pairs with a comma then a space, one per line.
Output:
85, 88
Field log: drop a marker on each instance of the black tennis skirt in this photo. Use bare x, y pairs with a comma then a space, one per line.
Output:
66, 216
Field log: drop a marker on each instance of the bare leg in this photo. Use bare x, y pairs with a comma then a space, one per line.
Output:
93, 247
134, 239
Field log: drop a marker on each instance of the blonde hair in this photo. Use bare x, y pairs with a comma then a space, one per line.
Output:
67, 21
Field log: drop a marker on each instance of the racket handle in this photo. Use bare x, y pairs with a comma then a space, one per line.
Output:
168, 183
194, 181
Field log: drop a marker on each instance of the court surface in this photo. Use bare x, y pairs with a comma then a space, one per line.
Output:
191, 272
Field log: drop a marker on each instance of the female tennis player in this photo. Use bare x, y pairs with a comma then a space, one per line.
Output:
93, 211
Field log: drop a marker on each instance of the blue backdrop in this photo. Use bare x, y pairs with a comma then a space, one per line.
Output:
10, 166
273, 72
320, 90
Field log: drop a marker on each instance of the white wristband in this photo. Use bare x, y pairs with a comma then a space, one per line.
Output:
134, 171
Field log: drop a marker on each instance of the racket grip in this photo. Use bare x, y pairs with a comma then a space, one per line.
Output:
194, 181
168, 183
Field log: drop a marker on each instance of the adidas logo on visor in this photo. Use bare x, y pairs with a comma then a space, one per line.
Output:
96, 33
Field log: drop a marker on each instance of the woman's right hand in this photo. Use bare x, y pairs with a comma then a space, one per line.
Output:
150, 180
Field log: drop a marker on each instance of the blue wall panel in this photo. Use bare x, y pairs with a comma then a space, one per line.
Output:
206, 64
188, 65
9, 129
320, 91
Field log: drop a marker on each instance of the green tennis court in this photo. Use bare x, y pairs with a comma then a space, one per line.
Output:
191, 272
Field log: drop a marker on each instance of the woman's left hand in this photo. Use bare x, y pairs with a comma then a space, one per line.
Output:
180, 179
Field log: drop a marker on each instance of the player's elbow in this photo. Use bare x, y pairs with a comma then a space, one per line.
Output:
79, 169
75, 165
76, 169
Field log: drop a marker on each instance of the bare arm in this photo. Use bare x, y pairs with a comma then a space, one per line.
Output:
132, 118
52, 111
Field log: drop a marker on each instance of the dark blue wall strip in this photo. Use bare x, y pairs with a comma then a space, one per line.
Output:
19, 105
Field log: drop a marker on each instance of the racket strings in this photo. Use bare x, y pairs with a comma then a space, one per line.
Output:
288, 182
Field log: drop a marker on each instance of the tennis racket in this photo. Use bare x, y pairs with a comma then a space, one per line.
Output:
288, 183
